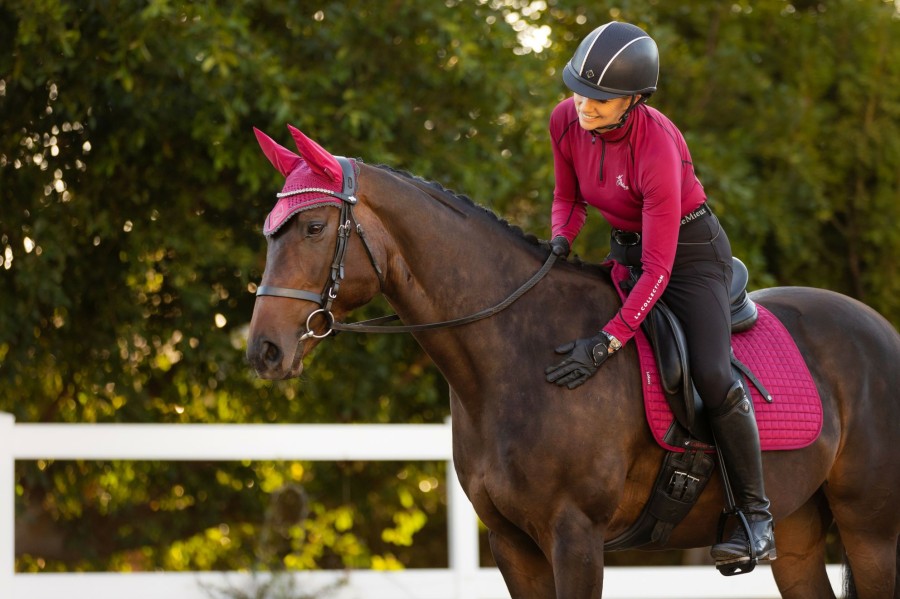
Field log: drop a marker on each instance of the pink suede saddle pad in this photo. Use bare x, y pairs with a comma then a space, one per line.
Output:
792, 420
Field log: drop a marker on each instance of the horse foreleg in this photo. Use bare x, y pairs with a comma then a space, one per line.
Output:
577, 556
524, 567
800, 538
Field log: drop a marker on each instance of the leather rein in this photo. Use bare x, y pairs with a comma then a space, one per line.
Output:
326, 298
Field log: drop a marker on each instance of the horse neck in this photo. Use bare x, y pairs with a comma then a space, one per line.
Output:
444, 258
448, 262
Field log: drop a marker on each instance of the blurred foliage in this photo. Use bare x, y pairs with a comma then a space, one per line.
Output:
132, 195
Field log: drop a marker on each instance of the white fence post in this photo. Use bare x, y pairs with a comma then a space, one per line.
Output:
7, 504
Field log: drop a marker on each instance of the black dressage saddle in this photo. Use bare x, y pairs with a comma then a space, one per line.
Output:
670, 350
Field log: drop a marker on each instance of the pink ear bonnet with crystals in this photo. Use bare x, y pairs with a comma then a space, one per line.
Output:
312, 178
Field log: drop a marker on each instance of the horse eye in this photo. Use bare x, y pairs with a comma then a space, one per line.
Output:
314, 228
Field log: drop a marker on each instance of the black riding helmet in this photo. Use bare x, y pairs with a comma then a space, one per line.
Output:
614, 60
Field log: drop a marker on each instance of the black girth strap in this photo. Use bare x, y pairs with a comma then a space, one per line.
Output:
681, 479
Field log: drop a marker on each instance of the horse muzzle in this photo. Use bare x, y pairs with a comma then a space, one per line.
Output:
272, 362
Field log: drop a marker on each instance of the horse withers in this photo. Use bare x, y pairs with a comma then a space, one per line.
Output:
556, 474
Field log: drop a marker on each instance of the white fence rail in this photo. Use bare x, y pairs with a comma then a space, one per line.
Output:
464, 579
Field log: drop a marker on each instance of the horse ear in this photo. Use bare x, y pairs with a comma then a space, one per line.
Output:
316, 156
281, 158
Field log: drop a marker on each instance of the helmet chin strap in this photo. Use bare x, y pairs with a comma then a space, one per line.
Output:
631, 106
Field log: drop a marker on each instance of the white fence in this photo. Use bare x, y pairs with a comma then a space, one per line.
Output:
464, 579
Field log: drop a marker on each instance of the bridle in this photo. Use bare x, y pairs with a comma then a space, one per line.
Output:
326, 297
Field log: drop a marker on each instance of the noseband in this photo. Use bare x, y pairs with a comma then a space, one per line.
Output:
326, 298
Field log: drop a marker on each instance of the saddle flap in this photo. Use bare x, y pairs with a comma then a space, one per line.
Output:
670, 350
669, 344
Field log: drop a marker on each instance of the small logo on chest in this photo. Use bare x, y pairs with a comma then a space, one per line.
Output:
621, 183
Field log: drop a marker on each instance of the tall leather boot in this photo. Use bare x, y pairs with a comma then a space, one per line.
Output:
734, 427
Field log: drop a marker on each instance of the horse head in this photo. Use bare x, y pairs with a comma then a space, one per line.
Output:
309, 241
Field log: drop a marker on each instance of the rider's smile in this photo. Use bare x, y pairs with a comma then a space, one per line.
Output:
600, 113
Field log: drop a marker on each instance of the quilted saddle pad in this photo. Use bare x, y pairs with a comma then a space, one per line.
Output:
793, 417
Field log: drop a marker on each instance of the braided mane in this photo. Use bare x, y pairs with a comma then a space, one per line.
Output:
450, 198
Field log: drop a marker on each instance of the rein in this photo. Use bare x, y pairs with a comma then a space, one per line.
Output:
326, 298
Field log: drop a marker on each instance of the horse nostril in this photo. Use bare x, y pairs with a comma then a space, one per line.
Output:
271, 354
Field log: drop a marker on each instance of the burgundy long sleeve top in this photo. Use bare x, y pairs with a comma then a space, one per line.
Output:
641, 179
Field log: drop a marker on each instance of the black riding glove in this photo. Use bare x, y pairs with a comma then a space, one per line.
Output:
559, 245
585, 357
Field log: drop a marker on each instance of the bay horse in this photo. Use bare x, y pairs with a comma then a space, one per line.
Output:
555, 473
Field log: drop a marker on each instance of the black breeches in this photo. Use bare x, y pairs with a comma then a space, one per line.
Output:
697, 294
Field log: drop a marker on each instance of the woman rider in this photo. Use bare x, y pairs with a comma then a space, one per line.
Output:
613, 152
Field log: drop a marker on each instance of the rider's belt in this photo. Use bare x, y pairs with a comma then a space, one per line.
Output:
628, 238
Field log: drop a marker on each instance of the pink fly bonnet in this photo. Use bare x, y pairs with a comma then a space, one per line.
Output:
313, 178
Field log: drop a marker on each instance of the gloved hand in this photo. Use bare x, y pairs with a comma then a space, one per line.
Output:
559, 245
585, 357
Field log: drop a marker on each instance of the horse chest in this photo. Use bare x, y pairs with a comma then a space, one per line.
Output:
523, 481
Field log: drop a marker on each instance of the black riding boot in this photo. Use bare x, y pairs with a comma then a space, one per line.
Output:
736, 434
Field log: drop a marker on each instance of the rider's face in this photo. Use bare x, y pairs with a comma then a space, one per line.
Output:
600, 113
